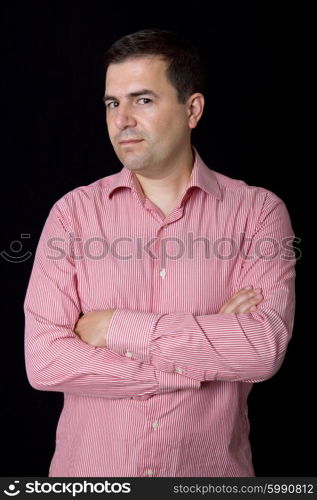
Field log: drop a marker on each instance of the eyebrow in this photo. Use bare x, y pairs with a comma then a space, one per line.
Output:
132, 94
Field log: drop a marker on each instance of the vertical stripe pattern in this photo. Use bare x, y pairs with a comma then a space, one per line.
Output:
168, 395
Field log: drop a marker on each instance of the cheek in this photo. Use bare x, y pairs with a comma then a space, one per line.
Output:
110, 125
172, 129
161, 127
111, 133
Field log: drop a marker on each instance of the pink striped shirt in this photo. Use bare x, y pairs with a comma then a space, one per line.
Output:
168, 395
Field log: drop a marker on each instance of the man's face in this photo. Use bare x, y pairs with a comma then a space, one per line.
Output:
142, 105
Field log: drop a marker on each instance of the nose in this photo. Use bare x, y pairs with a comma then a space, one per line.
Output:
124, 117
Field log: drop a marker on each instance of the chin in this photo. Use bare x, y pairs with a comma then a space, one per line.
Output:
133, 162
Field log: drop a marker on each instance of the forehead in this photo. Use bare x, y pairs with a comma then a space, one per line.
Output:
146, 72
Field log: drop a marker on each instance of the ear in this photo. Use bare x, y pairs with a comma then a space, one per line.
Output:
195, 107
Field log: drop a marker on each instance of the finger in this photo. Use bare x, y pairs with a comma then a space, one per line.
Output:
240, 298
241, 303
241, 291
244, 308
248, 288
248, 304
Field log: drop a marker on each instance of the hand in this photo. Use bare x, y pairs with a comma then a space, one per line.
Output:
92, 327
243, 301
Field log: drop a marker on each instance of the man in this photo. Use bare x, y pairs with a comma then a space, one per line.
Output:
159, 294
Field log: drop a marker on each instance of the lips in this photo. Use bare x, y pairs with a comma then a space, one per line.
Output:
130, 141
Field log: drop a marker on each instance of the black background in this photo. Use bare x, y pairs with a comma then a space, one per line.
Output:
54, 139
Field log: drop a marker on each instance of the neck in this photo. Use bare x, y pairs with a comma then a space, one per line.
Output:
170, 183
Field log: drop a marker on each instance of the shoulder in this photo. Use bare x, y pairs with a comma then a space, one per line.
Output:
83, 202
89, 193
240, 191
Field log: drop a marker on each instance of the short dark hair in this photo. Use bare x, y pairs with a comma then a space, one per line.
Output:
185, 69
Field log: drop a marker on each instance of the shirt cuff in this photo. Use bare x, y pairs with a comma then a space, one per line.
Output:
170, 382
129, 333
170, 344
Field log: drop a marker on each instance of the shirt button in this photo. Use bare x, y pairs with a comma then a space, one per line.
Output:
129, 354
155, 425
163, 273
149, 472
179, 370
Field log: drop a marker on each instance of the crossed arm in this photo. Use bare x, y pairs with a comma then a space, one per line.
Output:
245, 341
92, 327
186, 344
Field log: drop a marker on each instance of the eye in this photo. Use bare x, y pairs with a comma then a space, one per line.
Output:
145, 99
108, 105
115, 104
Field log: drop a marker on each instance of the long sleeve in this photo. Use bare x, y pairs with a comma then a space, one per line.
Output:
248, 347
56, 359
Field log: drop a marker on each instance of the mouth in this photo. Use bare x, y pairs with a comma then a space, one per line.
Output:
130, 141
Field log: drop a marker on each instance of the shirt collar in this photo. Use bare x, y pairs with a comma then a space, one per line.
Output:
201, 177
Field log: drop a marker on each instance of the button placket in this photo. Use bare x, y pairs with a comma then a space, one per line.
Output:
179, 370
162, 263
155, 424
163, 272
